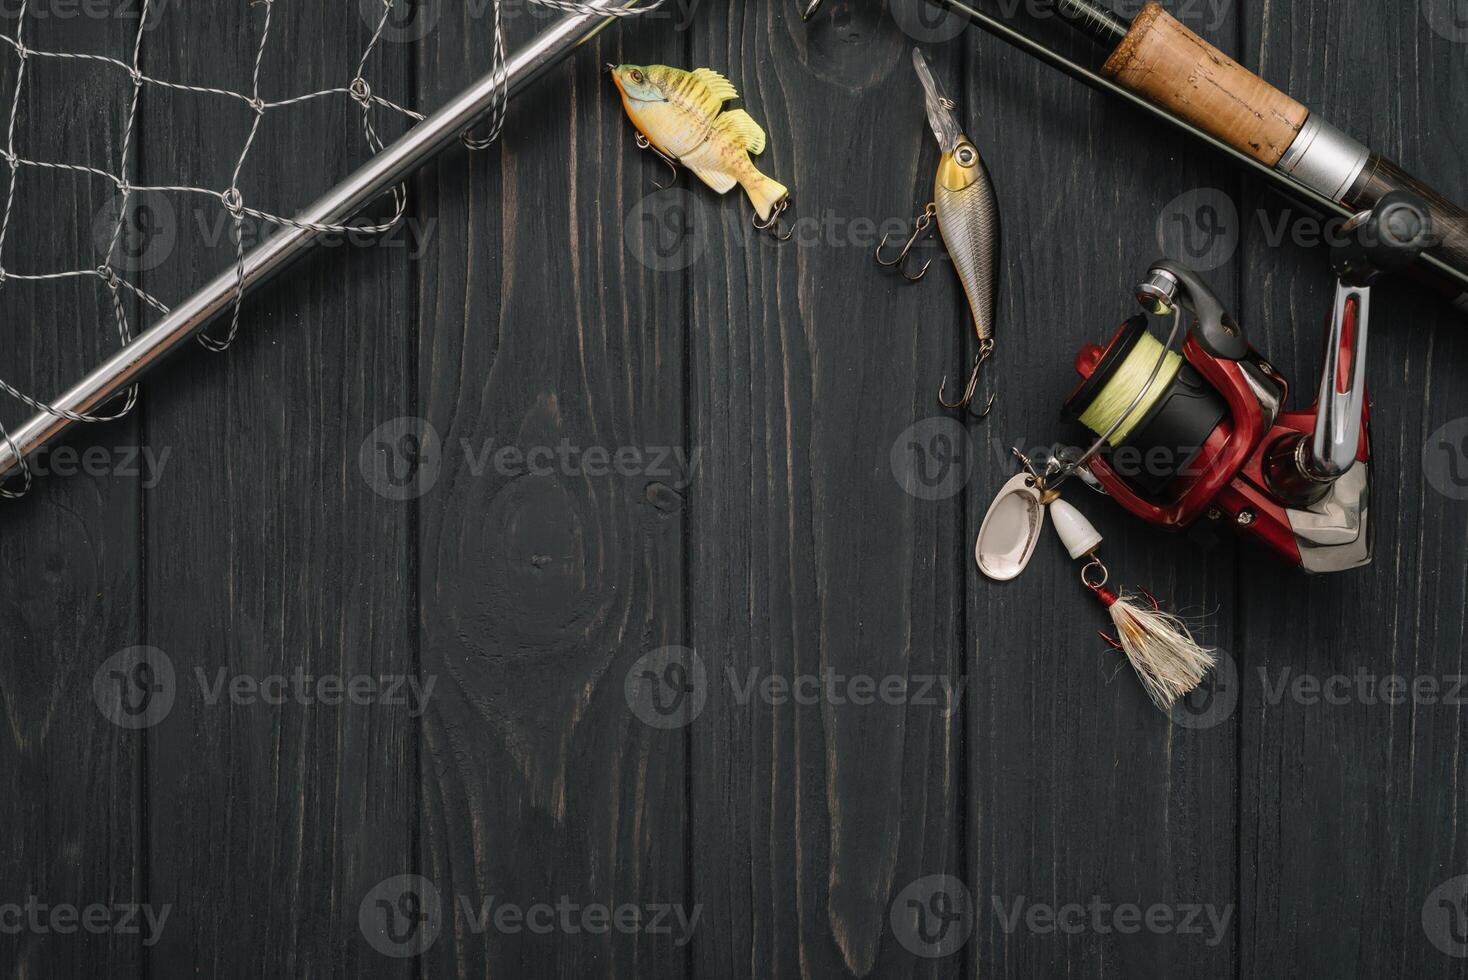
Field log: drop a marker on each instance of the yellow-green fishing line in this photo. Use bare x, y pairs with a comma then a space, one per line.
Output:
1123, 385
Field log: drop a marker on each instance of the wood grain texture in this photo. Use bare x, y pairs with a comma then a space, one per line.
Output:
808, 560
270, 553
70, 596
546, 300
1084, 795
545, 579
1353, 807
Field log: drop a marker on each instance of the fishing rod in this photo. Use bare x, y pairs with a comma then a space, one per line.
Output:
1164, 69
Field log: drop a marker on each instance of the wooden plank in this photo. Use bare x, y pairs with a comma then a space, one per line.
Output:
1088, 807
273, 814
1352, 808
69, 553
819, 802
546, 576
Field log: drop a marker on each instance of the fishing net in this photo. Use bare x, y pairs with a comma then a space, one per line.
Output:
22, 56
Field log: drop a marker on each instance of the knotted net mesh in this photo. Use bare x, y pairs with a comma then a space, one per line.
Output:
26, 27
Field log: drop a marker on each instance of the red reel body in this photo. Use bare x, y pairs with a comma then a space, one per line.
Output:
1238, 472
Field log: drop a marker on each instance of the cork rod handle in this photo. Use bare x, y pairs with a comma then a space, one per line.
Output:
1163, 61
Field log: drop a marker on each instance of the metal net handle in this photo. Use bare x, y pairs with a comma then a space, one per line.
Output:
231, 198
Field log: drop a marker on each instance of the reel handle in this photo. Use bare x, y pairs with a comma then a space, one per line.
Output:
1336, 438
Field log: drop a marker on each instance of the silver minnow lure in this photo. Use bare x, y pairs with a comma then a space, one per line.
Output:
968, 219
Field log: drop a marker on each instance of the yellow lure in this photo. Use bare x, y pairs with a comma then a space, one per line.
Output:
681, 113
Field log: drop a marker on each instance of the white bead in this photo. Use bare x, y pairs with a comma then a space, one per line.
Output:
1078, 535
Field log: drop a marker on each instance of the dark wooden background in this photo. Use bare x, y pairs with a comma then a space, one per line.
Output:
549, 303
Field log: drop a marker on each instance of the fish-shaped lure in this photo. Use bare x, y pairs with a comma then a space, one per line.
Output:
681, 114
968, 219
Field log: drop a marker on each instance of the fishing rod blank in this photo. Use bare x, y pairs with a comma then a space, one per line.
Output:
1158, 65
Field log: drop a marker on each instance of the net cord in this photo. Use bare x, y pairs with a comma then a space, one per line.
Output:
231, 198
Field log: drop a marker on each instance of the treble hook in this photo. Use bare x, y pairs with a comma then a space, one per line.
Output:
774, 222
986, 348
643, 143
919, 225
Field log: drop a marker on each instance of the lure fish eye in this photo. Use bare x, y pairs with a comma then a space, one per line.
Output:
966, 155
637, 76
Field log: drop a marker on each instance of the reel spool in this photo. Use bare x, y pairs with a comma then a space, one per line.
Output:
1173, 417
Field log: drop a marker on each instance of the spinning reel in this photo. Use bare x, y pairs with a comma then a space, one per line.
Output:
1203, 433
